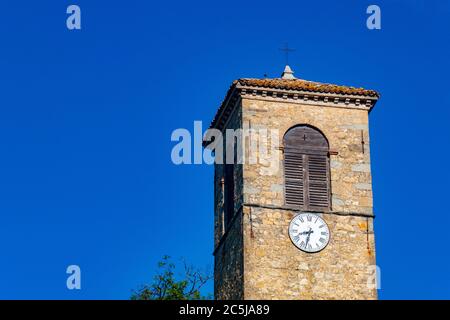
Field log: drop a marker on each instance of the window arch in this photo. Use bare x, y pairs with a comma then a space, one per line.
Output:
306, 169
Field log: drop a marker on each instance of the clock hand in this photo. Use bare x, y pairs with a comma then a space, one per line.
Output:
307, 238
306, 232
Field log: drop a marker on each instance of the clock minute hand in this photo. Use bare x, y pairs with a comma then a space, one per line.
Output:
307, 238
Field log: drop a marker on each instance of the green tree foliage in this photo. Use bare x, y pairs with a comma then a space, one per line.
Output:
166, 286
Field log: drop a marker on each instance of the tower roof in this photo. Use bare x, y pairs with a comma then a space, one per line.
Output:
289, 86
305, 85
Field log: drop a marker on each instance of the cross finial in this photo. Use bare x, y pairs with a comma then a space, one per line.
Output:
286, 51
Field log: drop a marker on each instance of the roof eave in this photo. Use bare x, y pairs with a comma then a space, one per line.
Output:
236, 86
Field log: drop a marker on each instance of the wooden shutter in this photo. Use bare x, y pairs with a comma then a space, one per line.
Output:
306, 169
294, 181
318, 182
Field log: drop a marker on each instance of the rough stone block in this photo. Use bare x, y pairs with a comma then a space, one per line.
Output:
362, 167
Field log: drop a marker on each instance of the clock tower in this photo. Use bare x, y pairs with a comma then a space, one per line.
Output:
297, 221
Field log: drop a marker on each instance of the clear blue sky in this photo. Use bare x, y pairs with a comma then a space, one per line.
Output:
86, 118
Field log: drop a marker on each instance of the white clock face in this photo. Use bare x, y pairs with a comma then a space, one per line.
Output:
309, 232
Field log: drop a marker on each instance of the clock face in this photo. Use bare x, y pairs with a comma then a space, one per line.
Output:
309, 232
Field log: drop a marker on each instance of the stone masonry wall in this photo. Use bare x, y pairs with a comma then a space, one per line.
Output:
350, 168
229, 264
228, 243
273, 267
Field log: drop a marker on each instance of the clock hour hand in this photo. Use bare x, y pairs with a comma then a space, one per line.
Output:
306, 232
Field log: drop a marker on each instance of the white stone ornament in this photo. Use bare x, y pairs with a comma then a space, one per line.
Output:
309, 232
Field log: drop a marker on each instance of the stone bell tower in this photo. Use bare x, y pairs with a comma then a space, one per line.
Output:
323, 171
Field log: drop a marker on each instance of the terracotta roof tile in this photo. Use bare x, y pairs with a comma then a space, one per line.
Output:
303, 85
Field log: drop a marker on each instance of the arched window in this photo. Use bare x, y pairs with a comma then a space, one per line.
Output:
306, 169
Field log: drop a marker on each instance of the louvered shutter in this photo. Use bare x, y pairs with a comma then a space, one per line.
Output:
318, 182
294, 182
306, 169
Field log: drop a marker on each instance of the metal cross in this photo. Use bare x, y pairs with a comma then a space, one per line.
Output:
286, 51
